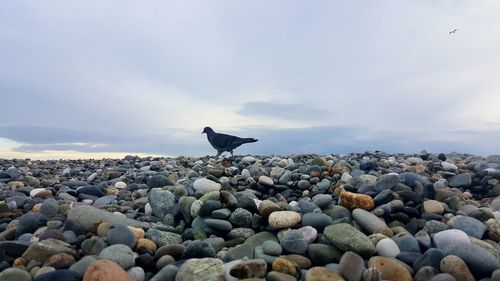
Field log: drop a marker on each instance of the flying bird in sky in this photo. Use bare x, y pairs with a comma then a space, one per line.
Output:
223, 142
453, 31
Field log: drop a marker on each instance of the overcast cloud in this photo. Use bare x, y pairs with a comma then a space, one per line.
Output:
323, 77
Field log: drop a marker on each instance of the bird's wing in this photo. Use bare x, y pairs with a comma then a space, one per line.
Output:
222, 141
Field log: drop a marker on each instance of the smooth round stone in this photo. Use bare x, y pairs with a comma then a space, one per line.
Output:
219, 225
91, 190
303, 184
370, 222
294, 242
323, 274
351, 266
50, 207
387, 181
136, 273
284, 219
39, 191
318, 221
460, 180
284, 265
272, 248
248, 160
60, 260
278, 276
205, 185
443, 277
322, 200
432, 227
286, 177
247, 269
457, 268
347, 238
121, 234
105, 200
198, 249
322, 254
473, 227
221, 213
105, 270
407, 243
391, 269
241, 217
29, 223
162, 238
15, 274
120, 185
265, 180
480, 261
449, 237
310, 233
207, 269
387, 248
433, 207
162, 202
119, 253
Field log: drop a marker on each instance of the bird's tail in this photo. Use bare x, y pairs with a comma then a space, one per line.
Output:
247, 140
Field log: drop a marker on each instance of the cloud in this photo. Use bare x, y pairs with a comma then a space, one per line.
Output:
288, 111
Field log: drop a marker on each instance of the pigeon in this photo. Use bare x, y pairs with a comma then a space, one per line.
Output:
453, 31
223, 142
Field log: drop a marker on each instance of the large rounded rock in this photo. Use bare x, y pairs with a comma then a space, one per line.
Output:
294, 242
284, 219
206, 185
105, 270
121, 234
473, 227
456, 267
479, 260
15, 274
120, 254
370, 222
448, 237
387, 248
351, 266
206, 269
391, 269
347, 238
162, 202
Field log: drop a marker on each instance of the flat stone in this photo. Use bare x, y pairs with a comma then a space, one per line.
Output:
323, 274
120, 254
448, 237
162, 238
90, 217
480, 261
351, 266
207, 269
43, 250
284, 219
347, 238
370, 222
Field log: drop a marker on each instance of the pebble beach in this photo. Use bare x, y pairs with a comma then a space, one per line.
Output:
361, 216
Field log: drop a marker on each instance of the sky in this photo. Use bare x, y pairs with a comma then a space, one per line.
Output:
93, 79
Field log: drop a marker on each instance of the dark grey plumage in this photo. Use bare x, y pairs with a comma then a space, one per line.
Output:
223, 142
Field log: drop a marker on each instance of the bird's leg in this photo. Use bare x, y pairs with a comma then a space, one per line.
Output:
218, 153
231, 153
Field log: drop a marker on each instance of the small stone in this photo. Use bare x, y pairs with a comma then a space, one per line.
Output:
61, 260
121, 234
43, 250
294, 242
284, 219
460, 180
347, 238
425, 273
353, 200
370, 222
390, 268
387, 248
50, 207
286, 266
15, 274
351, 266
105, 270
206, 185
448, 237
456, 267
120, 254
278, 276
207, 269
433, 207
323, 274
60, 274
136, 274
265, 180
246, 269
162, 238
162, 202
81, 266
272, 248
473, 227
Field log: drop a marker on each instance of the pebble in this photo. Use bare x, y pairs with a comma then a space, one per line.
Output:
284, 219
15, 274
120, 254
347, 238
448, 237
351, 266
456, 267
105, 270
206, 185
207, 269
391, 269
387, 248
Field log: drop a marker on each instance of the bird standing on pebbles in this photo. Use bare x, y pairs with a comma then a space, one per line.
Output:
223, 142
